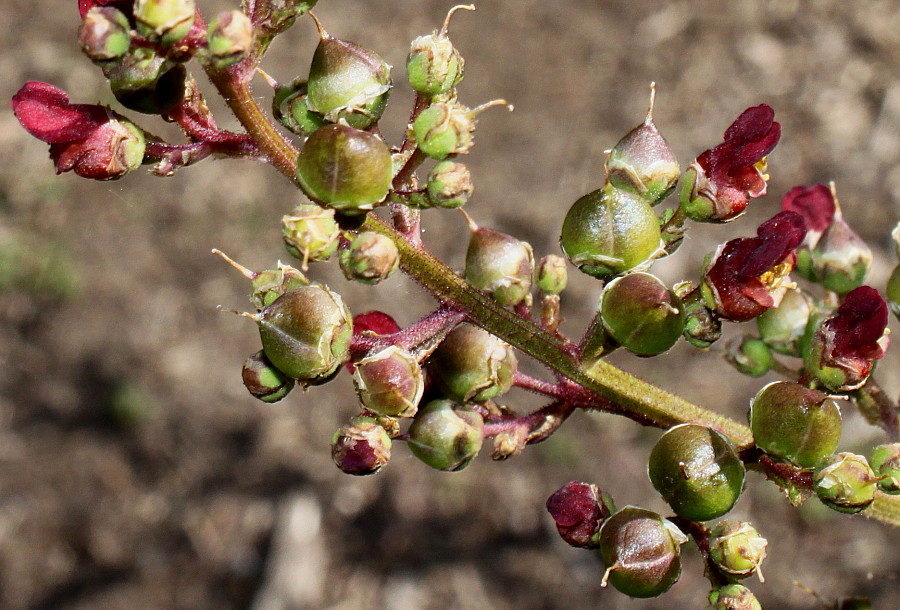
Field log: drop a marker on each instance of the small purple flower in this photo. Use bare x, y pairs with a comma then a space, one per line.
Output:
815, 204
578, 512
749, 275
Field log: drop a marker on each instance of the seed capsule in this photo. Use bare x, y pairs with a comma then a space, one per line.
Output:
390, 382
736, 548
886, 465
371, 258
795, 423
290, 105
608, 232
642, 552
782, 327
445, 435
734, 597
552, 274
841, 259
449, 185
230, 37
697, 470
263, 380
750, 356
104, 35
361, 447
473, 365
844, 482
310, 233
164, 21
641, 314
146, 82
433, 65
448, 128
346, 168
306, 333
270, 284
500, 264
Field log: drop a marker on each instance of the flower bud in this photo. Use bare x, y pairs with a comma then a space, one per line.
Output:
346, 168
347, 81
697, 471
448, 128
270, 284
794, 423
433, 65
449, 185
390, 382
306, 332
642, 552
164, 21
230, 38
263, 380
885, 463
471, 364
844, 482
736, 548
608, 232
146, 82
642, 162
841, 259
371, 258
893, 291
361, 447
782, 327
499, 264
578, 509
445, 435
104, 34
290, 105
734, 597
552, 274
750, 356
702, 327
310, 233
641, 314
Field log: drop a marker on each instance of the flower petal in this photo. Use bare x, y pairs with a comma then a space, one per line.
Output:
815, 203
45, 112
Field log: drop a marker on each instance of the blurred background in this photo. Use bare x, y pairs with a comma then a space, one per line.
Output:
136, 471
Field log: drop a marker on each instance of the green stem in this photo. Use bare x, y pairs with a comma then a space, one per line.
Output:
885, 508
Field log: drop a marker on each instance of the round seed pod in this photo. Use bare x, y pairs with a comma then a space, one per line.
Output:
291, 107
734, 597
263, 380
473, 365
641, 314
306, 333
552, 274
146, 82
310, 233
164, 21
750, 356
736, 548
345, 168
794, 423
501, 265
230, 38
697, 470
361, 447
389, 382
445, 435
104, 35
448, 128
844, 482
885, 463
449, 185
841, 259
782, 327
608, 232
433, 65
371, 258
642, 552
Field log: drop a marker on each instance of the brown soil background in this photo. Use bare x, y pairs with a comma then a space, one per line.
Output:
136, 472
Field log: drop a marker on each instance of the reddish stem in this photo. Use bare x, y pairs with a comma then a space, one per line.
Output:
429, 330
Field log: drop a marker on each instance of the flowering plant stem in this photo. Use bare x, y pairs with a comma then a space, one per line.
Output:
628, 395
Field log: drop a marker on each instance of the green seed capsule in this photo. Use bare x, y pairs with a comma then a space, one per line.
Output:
448, 128
782, 327
841, 259
885, 463
361, 447
291, 107
371, 258
306, 333
795, 423
750, 356
270, 284
734, 597
310, 233
641, 314
697, 470
736, 548
263, 380
433, 65
609, 232
164, 21
445, 435
146, 82
449, 185
642, 552
390, 382
104, 35
500, 264
345, 168
844, 482
473, 365
229, 37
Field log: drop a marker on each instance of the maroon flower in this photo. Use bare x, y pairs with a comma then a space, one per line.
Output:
815, 204
376, 322
750, 274
92, 140
846, 346
578, 512
722, 180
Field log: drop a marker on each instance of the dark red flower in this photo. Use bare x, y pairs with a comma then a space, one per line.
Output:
726, 177
92, 140
846, 346
815, 204
578, 512
749, 275
375, 321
